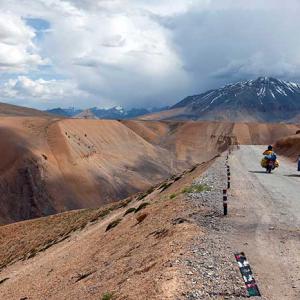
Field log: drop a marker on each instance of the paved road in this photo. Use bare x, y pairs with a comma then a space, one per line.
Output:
264, 211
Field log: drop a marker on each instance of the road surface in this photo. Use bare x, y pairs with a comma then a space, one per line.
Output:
264, 214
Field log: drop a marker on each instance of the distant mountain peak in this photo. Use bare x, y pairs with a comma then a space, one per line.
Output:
86, 114
119, 108
262, 99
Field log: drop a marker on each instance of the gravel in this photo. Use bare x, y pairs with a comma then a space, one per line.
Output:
212, 272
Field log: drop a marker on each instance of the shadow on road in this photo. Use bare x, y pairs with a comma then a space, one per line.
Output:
258, 172
293, 175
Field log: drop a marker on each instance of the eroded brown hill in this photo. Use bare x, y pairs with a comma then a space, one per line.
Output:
192, 136
56, 165
51, 165
14, 110
74, 255
289, 146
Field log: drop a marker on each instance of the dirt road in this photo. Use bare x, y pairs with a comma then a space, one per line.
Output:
264, 214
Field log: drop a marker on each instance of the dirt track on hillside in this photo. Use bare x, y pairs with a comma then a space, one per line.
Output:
263, 222
264, 217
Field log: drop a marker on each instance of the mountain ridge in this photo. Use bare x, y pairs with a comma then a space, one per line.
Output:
112, 113
20, 111
265, 99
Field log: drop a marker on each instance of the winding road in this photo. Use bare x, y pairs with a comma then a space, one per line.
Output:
264, 214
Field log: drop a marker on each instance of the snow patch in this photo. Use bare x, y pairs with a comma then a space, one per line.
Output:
214, 99
119, 108
206, 96
280, 90
262, 92
205, 108
272, 94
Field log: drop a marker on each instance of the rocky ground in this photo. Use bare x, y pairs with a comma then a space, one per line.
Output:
212, 272
180, 246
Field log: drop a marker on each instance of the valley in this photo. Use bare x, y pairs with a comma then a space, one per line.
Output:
94, 208
60, 164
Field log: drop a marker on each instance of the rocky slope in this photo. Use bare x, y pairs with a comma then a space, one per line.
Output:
166, 243
82, 255
170, 242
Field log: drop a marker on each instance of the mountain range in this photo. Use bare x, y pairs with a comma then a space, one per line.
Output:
116, 112
110, 190
265, 99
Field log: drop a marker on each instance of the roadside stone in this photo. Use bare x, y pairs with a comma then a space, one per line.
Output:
211, 259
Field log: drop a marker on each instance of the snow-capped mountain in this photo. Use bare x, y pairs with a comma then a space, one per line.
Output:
264, 99
116, 112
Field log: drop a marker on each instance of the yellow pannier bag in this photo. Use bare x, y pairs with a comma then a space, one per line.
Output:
263, 162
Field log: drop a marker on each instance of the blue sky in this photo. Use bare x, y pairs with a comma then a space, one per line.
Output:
39, 25
138, 53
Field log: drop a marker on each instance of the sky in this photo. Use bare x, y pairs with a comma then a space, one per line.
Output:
140, 53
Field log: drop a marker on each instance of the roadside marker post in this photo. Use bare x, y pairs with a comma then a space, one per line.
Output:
247, 275
228, 178
225, 202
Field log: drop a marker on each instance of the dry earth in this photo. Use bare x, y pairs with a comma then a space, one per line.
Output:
289, 146
14, 110
72, 256
177, 247
50, 165
54, 165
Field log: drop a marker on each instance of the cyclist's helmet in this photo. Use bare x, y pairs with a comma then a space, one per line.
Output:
270, 147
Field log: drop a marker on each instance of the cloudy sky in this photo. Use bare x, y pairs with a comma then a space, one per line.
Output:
140, 53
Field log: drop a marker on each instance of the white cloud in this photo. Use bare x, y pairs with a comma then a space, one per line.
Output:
232, 40
40, 91
117, 55
145, 53
17, 50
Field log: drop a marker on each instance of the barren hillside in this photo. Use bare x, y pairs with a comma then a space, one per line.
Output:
202, 137
289, 146
14, 110
127, 249
55, 165
51, 165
